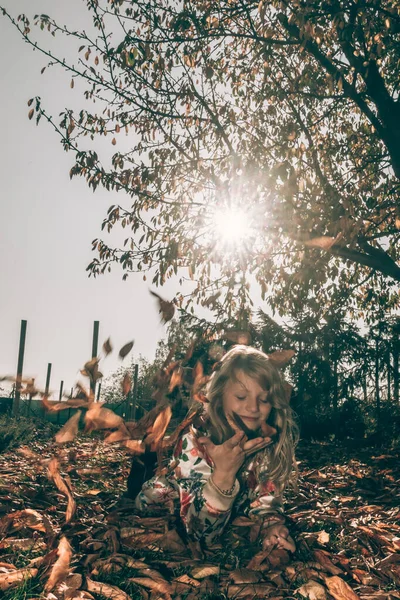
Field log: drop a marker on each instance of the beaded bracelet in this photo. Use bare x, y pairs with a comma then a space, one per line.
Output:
227, 493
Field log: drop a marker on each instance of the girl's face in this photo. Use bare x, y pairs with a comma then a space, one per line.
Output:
245, 397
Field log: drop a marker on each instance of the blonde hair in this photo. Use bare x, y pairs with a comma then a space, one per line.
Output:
279, 456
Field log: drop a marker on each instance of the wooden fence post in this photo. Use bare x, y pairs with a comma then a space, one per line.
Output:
48, 375
95, 343
20, 367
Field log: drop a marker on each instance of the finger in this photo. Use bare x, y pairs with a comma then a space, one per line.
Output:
257, 447
235, 439
206, 442
248, 445
287, 543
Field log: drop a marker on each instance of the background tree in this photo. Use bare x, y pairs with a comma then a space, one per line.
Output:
287, 111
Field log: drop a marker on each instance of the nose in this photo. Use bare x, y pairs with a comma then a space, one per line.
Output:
252, 404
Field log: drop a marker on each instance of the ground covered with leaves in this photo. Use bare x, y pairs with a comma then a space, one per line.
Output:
66, 532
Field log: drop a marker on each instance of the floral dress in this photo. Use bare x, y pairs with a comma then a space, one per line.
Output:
203, 511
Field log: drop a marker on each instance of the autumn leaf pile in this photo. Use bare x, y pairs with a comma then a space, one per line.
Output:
67, 532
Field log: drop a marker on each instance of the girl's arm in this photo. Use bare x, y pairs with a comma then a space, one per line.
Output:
204, 507
268, 507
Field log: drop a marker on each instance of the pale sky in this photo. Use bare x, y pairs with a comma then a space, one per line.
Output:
47, 223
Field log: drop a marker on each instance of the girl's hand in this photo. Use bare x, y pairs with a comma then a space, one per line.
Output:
277, 536
229, 456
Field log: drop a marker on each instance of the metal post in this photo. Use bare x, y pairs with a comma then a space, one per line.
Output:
98, 392
60, 398
95, 343
95, 338
20, 367
46, 389
134, 392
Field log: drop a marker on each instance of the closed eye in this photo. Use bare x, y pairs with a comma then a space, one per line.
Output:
241, 397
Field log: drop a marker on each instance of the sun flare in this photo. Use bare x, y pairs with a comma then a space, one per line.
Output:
232, 226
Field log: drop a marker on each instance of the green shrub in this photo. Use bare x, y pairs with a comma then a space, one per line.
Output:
18, 431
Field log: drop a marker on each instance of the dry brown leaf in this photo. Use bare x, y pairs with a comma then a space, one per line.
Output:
15, 577
237, 336
166, 308
29, 518
107, 347
161, 587
280, 358
323, 537
205, 571
176, 378
63, 487
108, 591
250, 590
98, 417
241, 576
173, 438
312, 590
126, 348
60, 568
52, 406
158, 429
28, 453
325, 242
322, 557
339, 589
120, 435
69, 431
126, 383
135, 446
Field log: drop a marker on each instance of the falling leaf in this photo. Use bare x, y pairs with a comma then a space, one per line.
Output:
107, 347
312, 590
176, 378
60, 568
117, 436
237, 336
166, 308
158, 429
98, 417
63, 487
69, 431
135, 446
339, 589
72, 84
126, 349
52, 406
280, 358
31, 113
126, 383
325, 242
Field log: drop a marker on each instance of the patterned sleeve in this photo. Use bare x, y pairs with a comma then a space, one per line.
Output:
263, 502
203, 511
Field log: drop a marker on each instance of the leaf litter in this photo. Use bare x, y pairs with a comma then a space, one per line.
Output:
68, 533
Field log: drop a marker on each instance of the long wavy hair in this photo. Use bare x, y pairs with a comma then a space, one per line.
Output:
279, 456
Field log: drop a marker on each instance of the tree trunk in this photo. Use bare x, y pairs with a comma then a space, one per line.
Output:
377, 390
396, 363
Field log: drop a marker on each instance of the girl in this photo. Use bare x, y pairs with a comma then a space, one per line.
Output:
242, 459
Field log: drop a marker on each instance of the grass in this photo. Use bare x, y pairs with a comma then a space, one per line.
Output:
19, 431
